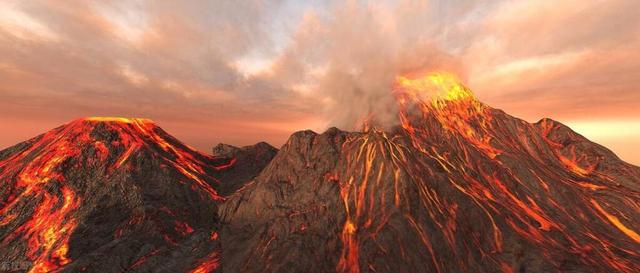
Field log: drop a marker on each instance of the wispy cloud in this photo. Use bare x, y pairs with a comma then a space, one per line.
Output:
241, 71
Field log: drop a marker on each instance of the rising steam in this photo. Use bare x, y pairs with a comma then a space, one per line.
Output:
354, 57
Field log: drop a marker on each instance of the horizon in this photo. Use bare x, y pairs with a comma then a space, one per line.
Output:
213, 73
209, 148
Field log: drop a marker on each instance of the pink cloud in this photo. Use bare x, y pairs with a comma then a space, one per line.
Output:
199, 66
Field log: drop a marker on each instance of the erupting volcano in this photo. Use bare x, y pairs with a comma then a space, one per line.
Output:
456, 186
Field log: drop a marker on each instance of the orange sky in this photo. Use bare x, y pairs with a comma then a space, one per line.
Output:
223, 71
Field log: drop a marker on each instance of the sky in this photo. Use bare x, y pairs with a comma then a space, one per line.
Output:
240, 72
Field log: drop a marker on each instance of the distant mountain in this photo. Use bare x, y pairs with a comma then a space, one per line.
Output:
108, 195
457, 187
249, 162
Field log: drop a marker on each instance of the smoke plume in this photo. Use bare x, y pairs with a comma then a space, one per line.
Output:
358, 52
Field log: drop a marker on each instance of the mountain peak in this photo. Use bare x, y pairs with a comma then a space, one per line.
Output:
248, 161
439, 88
127, 131
131, 125
115, 143
116, 120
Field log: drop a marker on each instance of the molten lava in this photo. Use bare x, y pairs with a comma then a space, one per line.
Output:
438, 87
54, 183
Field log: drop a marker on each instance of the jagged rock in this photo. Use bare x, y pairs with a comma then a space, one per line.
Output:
248, 163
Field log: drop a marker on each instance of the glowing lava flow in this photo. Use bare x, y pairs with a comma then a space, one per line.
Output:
439, 88
364, 192
443, 97
455, 152
41, 194
207, 264
615, 221
49, 227
137, 133
50, 231
185, 162
453, 106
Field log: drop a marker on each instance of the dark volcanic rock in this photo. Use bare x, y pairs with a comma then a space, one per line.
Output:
108, 195
294, 204
249, 162
458, 187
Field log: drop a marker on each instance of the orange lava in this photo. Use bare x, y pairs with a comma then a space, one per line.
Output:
49, 231
207, 264
39, 177
616, 222
455, 133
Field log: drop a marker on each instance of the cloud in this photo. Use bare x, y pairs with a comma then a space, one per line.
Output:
170, 61
21, 25
249, 69
348, 59
559, 58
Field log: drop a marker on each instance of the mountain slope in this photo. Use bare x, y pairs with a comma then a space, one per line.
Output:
108, 195
288, 218
457, 187
249, 162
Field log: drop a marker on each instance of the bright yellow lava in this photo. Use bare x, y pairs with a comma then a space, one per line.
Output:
117, 119
438, 87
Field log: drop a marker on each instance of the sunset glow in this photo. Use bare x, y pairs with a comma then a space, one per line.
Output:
262, 70
337, 136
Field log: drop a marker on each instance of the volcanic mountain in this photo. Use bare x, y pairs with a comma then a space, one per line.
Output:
457, 186
108, 195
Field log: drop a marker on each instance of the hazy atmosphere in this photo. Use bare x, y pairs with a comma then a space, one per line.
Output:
240, 72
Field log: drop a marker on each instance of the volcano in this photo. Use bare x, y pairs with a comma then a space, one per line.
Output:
108, 195
457, 186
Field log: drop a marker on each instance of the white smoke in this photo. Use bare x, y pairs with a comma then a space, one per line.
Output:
353, 56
